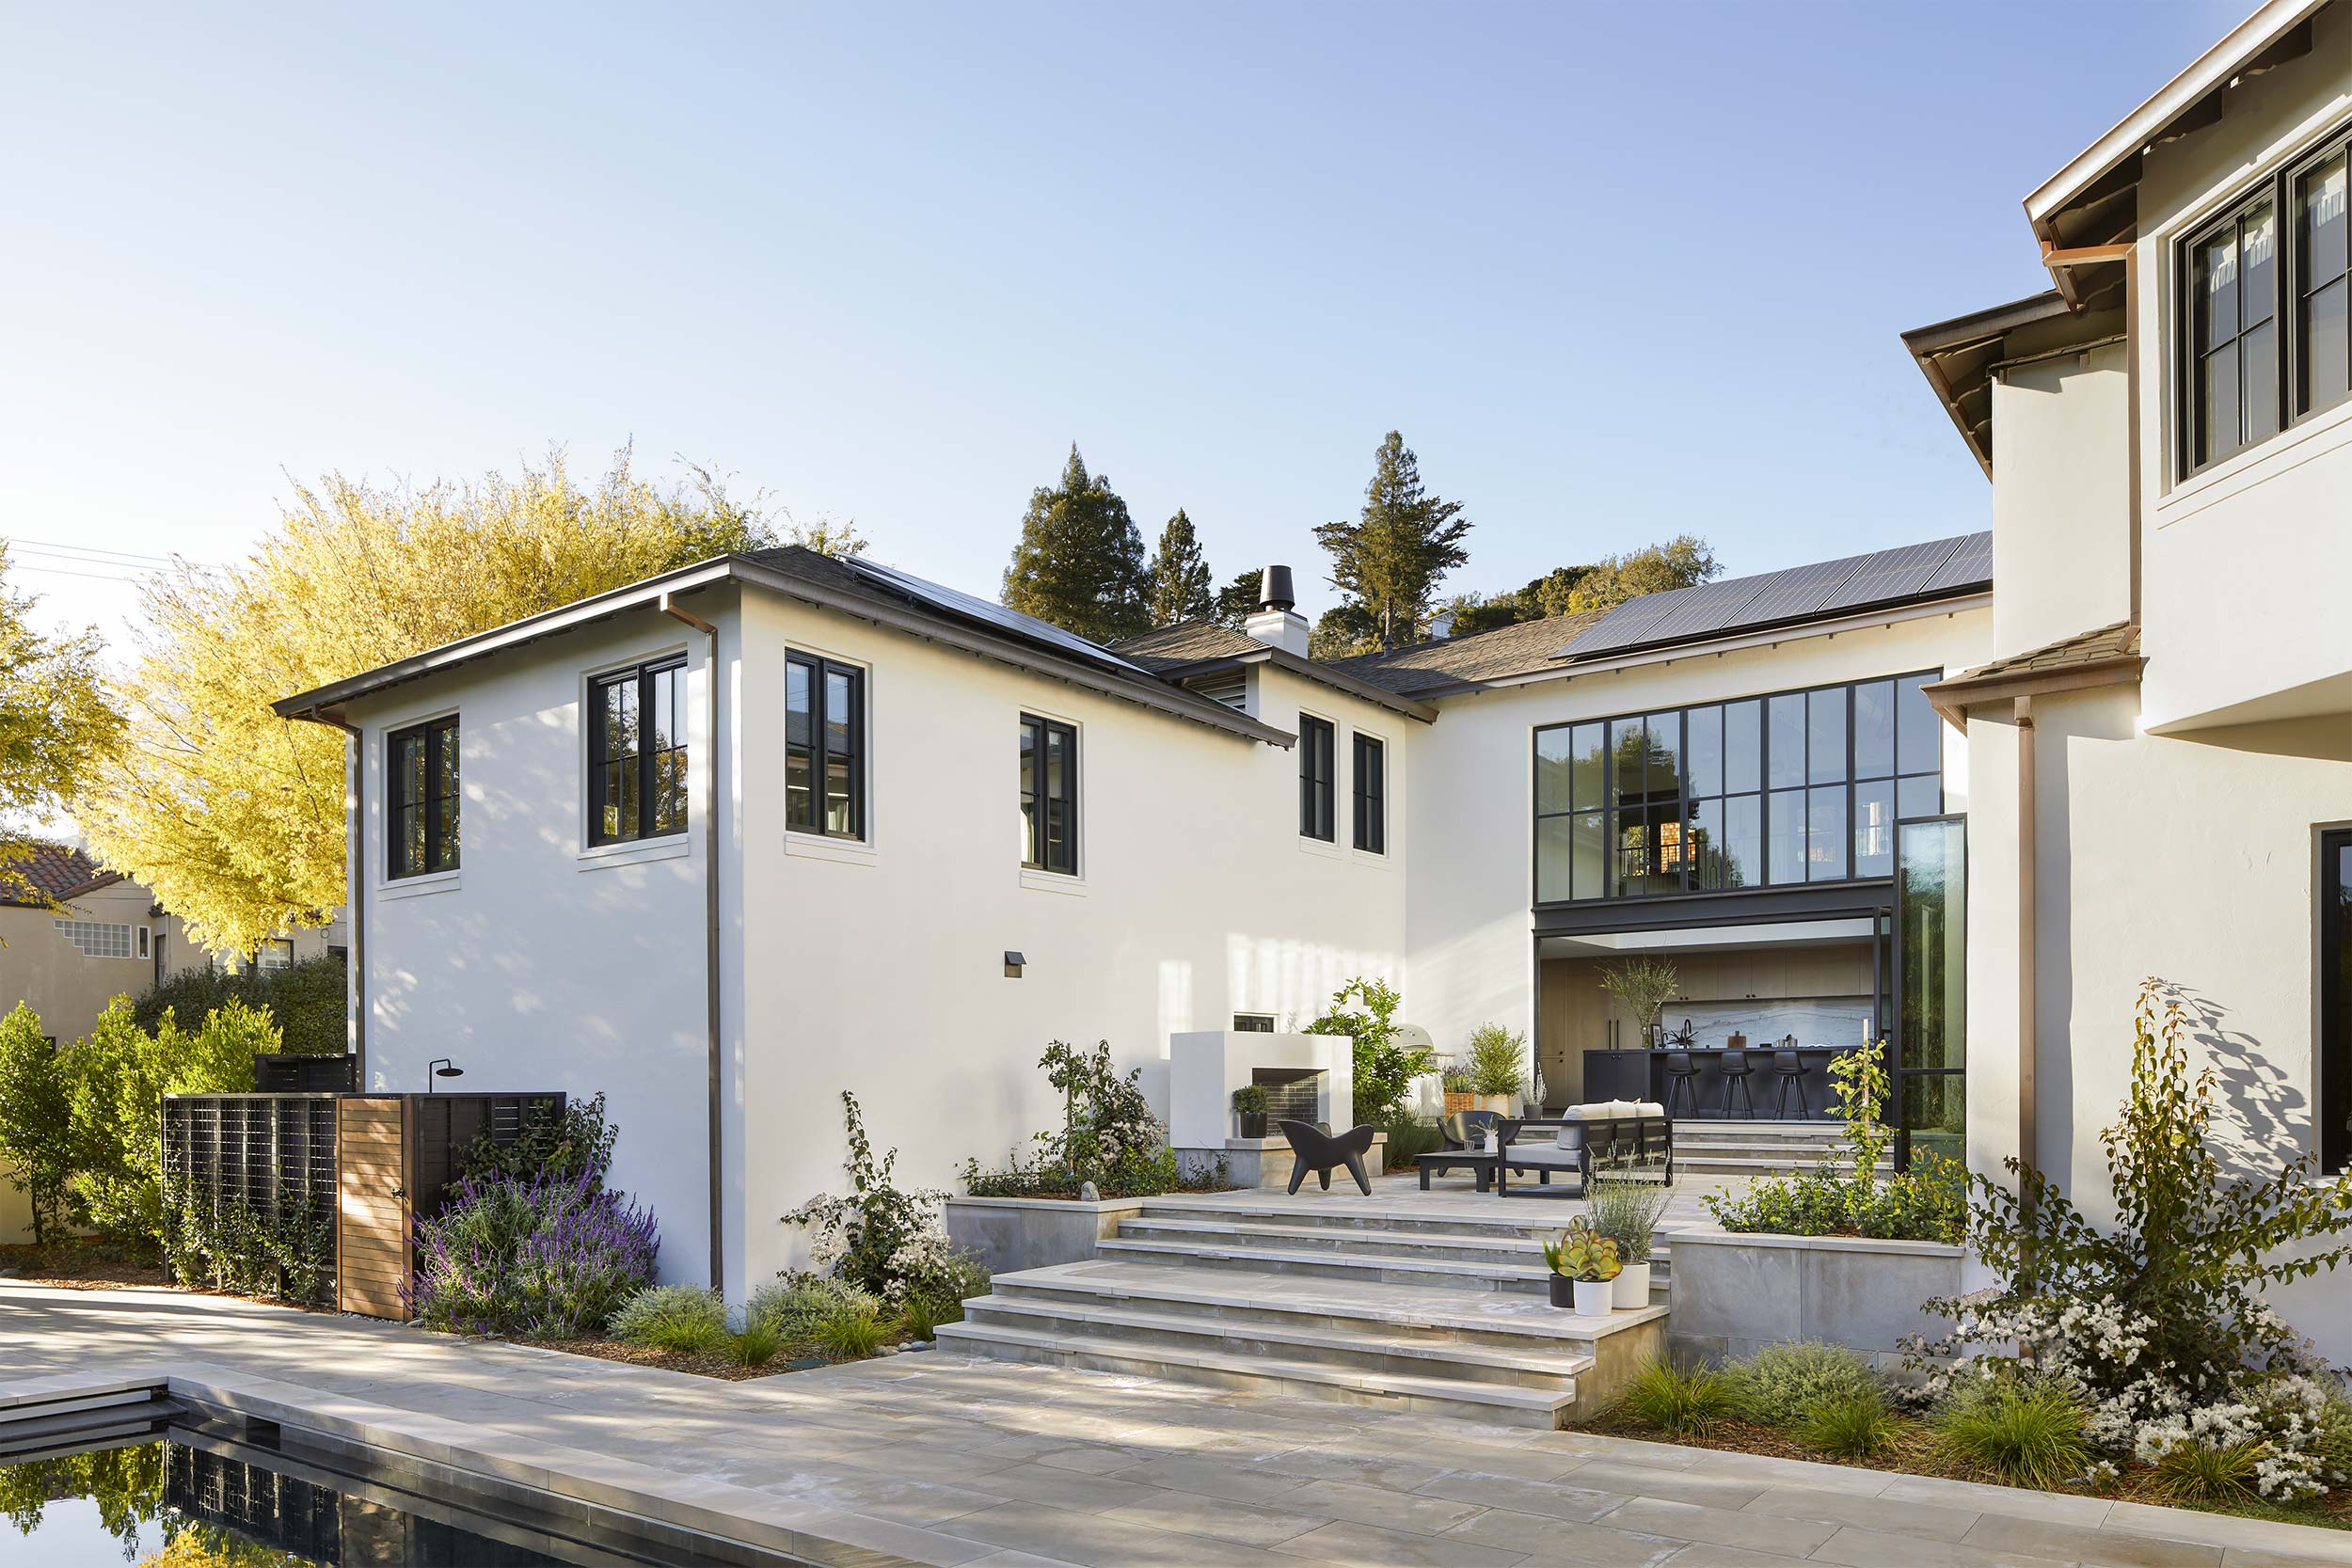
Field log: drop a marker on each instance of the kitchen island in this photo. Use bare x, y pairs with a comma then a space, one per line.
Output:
1641, 1075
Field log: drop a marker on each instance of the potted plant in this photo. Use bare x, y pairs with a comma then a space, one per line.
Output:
1498, 1068
1625, 1210
1642, 985
1584, 1267
1460, 1091
1250, 1106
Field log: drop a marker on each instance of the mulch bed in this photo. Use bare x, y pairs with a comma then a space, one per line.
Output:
83, 1266
1915, 1453
715, 1364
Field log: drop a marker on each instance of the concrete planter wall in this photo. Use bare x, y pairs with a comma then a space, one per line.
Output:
1734, 1294
1009, 1233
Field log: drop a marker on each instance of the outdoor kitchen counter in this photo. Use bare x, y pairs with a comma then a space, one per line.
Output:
1641, 1075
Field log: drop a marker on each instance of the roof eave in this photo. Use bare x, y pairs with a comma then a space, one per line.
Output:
1307, 668
1953, 698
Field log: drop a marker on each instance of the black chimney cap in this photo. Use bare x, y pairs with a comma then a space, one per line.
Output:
1274, 589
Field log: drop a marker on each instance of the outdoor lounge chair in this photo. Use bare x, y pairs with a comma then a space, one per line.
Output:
1314, 1150
1467, 1129
1619, 1132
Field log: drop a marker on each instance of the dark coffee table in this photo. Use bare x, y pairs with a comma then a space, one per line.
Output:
1475, 1160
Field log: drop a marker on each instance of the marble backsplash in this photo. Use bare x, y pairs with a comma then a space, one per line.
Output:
1814, 1020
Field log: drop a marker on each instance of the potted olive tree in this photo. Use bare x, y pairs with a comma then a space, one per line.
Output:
1498, 1068
1250, 1107
1642, 985
1584, 1268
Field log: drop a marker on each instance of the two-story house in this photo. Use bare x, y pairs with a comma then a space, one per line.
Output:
2159, 750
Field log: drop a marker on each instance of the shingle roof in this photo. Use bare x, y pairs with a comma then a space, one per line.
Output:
1185, 642
54, 873
1514, 650
2120, 641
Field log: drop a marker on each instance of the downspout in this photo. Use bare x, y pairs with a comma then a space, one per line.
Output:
710, 926
2028, 811
355, 885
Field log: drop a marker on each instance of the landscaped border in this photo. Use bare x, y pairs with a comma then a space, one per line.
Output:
1737, 1291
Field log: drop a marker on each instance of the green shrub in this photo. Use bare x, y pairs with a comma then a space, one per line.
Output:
1384, 1071
2200, 1476
1780, 1384
1811, 1203
794, 1304
689, 1318
1680, 1404
851, 1331
1927, 1203
1498, 1060
577, 1140
1852, 1426
1409, 1138
36, 1120
306, 1000
1625, 1209
2029, 1434
861, 1235
121, 1072
755, 1346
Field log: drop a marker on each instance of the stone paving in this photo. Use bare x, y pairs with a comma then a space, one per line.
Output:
1008, 1466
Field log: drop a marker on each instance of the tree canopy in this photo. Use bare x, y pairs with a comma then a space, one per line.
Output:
1080, 561
1180, 577
57, 724
1238, 599
1682, 561
234, 817
1389, 561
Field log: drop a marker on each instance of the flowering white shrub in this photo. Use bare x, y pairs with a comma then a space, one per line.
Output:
877, 1237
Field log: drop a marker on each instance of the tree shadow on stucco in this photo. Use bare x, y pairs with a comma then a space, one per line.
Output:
2267, 1121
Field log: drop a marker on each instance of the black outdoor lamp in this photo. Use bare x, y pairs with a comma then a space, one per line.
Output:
441, 1067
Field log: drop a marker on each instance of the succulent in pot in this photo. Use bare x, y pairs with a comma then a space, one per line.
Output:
1585, 1261
1625, 1208
1250, 1102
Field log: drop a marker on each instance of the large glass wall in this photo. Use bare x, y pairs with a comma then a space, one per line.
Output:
1793, 787
1932, 961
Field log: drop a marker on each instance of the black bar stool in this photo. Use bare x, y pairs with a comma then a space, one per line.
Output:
1790, 1069
1682, 1095
1735, 1069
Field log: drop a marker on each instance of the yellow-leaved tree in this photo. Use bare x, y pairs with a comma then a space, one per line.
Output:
233, 817
57, 721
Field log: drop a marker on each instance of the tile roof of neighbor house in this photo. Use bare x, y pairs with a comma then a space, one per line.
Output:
56, 873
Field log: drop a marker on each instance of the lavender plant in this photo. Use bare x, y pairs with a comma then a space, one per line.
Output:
551, 1256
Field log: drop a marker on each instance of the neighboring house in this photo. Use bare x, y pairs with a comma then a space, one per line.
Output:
2159, 743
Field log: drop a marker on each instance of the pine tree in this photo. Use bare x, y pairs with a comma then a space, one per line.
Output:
1179, 578
1079, 562
1238, 599
1389, 561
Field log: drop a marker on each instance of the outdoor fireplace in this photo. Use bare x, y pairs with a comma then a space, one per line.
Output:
1292, 1094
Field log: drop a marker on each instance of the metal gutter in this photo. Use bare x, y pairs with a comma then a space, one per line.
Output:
710, 927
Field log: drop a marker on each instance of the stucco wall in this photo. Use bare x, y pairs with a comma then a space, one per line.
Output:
2061, 502
2244, 562
40, 966
1468, 922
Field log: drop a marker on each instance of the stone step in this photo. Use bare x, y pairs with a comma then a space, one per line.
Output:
1704, 1127
1297, 1338
1715, 1164
1493, 1402
1235, 1251
1354, 1215
1363, 1240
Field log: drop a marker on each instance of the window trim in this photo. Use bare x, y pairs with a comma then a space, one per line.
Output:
1377, 799
819, 666
1318, 799
1033, 856
2277, 187
440, 731
592, 752
2331, 1056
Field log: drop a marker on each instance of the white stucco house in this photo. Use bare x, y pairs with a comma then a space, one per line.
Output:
728, 842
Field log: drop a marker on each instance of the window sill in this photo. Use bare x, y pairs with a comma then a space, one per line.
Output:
1327, 849
840, 851
1371, 857
1055, 881
417, 887
669, 847
2290, 448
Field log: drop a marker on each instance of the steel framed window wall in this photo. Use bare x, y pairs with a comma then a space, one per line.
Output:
2264, 310
2335, 1000
1368, 787
825, 746
1779, 789
1049, 794
1317, 767
637, 753
421, 798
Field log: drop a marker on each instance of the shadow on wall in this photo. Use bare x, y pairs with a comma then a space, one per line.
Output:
2269, 1119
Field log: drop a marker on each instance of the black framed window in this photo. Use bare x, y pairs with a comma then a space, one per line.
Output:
2266, 311
1317, 806
1049, 796
1780, 789
421, 798
825, 746
1371, 789
637, 753
2335, 1000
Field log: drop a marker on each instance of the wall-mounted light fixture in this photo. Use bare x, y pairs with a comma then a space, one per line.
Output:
1014, 963
441, 1067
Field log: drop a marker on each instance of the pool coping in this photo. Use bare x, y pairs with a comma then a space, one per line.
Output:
736, 1514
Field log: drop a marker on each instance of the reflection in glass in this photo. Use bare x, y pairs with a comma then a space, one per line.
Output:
1825, 735
1875, 827
1554, 883
1920, 738
1629, 751
1704, 738
1664, 782
1553, 775
1787, 817
1825, 834
1743, 841
1922, 796
1590, 752
1874, 729
1743, 748
1590, 851
1931, 905
1785, 751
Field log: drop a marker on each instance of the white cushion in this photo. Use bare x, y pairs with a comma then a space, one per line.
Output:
1649, 1108
1568, 1138
1543, 1154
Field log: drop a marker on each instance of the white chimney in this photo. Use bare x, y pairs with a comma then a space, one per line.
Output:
1442, 625
1275, 621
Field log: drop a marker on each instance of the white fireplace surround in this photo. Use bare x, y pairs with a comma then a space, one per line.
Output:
1205, 1067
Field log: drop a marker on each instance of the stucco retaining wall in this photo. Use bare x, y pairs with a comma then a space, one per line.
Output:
1734, 1294
1011, 1233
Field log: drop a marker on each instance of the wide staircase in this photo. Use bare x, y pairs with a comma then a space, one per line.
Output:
1391, 1305
1743, 1148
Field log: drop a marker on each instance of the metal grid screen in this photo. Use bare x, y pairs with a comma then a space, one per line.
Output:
264, 1150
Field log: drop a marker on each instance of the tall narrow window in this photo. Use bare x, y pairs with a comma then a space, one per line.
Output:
2335, 1000
637, 753
825, 746
2233, 337
1049, 796
2323, 283
1316, 805
420, 800
1372, 794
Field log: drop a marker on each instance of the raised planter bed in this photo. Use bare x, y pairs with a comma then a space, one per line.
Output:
1735, 1293
1008, 1234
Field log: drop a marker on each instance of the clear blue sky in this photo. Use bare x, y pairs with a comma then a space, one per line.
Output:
1616, 272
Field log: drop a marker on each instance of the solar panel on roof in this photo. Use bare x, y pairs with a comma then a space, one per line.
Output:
1629, 623
1707, 608
1896, 574
1970, 563
1801, 591
1012, 621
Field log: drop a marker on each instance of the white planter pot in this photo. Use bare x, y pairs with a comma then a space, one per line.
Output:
1592, 1297
1631, 1287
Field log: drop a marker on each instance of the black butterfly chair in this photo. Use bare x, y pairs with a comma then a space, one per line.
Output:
1313, 1149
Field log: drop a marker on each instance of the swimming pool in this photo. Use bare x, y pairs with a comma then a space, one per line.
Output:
192, 1492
